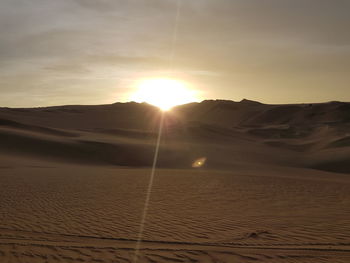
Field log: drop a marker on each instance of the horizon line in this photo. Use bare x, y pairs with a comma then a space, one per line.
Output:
198, 102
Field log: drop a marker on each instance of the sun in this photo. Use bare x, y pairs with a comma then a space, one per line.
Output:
163, 93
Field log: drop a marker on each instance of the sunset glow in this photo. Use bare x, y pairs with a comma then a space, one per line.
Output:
163, 93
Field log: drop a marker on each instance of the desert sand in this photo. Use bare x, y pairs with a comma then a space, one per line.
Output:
275, 186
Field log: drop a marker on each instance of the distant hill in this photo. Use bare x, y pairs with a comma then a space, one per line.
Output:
228, 133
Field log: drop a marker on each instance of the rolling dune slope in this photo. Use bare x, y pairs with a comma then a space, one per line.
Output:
226, 132
274, 188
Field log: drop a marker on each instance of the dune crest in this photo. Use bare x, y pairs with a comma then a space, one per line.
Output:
226, 132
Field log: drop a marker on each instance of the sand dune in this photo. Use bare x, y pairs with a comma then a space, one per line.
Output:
275, 187
306, 135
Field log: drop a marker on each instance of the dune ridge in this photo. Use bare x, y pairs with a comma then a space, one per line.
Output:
301, 135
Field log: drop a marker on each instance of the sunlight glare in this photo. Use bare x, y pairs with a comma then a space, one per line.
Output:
163, 93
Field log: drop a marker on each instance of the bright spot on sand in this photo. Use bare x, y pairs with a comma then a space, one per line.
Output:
163, 93
199, 162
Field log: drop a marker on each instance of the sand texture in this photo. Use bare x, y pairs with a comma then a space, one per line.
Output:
275, 186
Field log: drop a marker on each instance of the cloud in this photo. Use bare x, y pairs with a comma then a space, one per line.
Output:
58, 48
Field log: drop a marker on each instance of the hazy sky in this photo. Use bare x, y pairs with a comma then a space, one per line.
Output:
93, 51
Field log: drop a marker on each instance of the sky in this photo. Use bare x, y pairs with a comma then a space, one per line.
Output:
96, 51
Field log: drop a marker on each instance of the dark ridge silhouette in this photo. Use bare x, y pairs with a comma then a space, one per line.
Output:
228, 133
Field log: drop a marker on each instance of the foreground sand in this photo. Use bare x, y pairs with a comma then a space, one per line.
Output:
275, 187
66, 213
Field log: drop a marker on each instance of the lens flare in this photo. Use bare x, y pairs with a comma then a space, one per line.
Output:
199, 162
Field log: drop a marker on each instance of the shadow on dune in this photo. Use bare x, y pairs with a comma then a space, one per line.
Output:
226, 133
